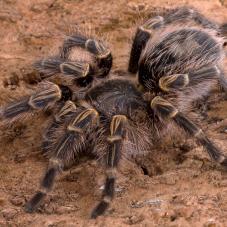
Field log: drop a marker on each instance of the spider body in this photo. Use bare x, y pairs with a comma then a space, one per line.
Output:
112, 117
116, 97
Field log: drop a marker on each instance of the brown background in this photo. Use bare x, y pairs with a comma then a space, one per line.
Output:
180, 187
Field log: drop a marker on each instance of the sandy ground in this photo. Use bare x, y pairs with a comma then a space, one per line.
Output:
173, 186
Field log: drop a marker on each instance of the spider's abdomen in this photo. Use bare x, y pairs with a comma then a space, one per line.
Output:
178, 51
116, 97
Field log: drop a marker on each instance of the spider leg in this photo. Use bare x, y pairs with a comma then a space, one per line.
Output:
115, 139
46, 97
51, 66
55, 165
143, 33
166, 110
68, 108
180, 15
68, 141
96, 47
184, 14
179, 81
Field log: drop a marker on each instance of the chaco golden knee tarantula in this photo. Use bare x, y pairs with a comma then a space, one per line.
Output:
178, 57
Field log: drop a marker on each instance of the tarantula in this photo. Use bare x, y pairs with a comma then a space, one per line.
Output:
178, 57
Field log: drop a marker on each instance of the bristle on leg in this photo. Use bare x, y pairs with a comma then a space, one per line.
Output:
166, 110
46, 185
40, 100
117, 133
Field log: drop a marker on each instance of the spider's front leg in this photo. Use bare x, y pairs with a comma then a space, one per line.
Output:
166, 110
101, 53
115, 139
53, 65
65, 143
72, 67
45, 97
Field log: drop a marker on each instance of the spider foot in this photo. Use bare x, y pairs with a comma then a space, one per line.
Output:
99, 209
34, 202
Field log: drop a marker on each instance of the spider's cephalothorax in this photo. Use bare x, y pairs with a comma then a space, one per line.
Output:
178, 58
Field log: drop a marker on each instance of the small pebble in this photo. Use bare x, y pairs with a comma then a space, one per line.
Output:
211, 223
131, 220
17, 201
65, 209
9, 213
2, 201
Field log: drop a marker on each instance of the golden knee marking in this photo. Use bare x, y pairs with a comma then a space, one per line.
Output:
87, 42
104, 55
173, 113
115, 123
165, 82
55, 163
81, 68
67, 108
75, 129
83, 115
107, 199
199, 133
221, 159
113, 139
147, 26
44, 190
103, 52
54, 93
159, 101
86, 113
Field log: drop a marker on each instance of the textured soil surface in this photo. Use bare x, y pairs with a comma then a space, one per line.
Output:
177, 185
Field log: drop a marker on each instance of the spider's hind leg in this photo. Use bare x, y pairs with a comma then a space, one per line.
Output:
180, 15
143, 34
184, 14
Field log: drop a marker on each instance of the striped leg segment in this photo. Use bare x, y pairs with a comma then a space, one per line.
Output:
65, 147
180, 15
179, 81
143, 34
184, 14
173, 82
68, 108
117, 133
95, 47
51, 66
166, 110
55, 165
40, 100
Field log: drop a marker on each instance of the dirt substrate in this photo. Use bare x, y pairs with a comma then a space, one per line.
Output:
173, 186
